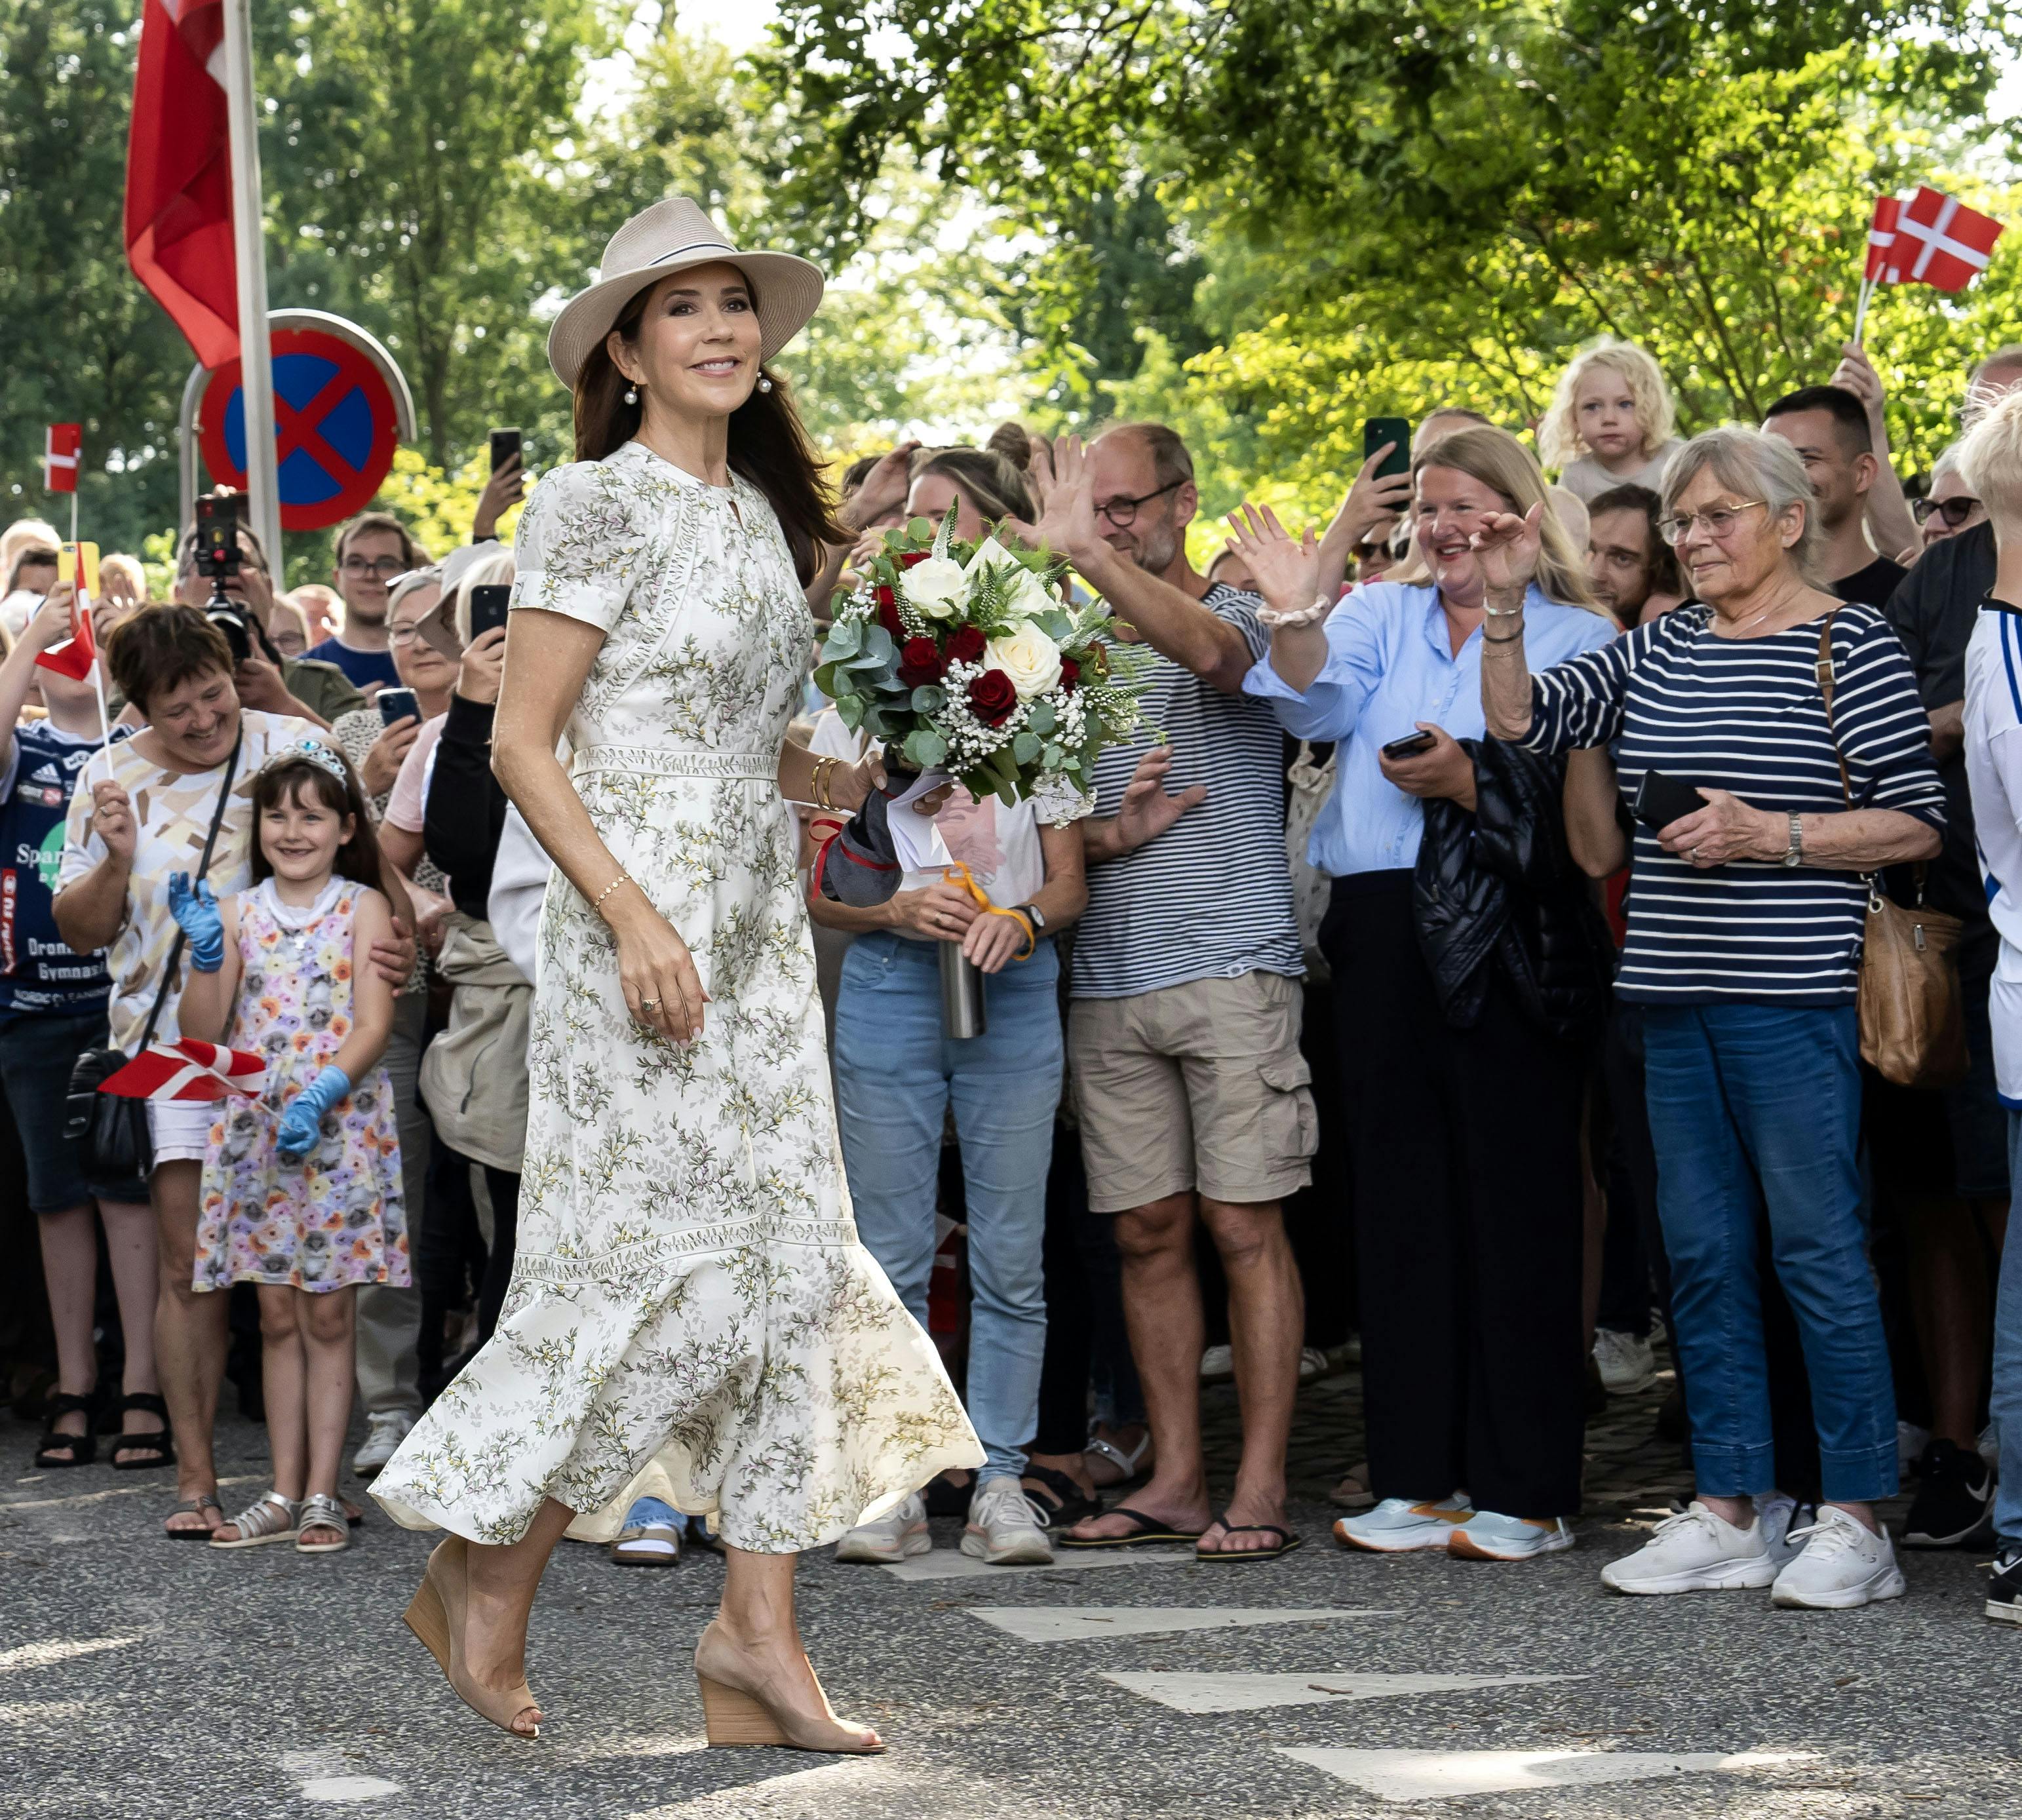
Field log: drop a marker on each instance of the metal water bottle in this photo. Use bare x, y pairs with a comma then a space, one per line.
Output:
961, 994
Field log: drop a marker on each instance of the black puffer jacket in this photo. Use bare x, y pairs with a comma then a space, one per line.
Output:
1497, 888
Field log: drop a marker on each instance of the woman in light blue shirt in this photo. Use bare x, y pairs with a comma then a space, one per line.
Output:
1464, 1104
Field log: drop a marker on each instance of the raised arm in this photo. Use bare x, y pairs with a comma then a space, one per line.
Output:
1510, 548
1889, 520
49, 625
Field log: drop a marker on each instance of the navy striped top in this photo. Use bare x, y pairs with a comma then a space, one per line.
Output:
1745, 715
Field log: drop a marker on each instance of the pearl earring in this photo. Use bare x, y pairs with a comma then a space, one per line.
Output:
764, 384
631, 395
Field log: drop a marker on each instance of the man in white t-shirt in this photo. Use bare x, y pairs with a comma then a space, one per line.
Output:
1992, 460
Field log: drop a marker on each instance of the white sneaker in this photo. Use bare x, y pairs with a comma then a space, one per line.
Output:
1002, 1530
1397, 1526
1627, 1364
898, 1535
384, 1433
1844, 1563
1695, 1552
1218, 1365
1781, 1517
1312, 1364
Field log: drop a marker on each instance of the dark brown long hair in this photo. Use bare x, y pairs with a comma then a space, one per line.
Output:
358, 859
768, 444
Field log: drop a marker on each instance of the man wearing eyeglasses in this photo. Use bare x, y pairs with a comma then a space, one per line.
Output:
372, 549
1953, 1200
1184, 1029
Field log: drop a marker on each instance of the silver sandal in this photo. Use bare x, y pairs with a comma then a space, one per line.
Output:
319, 1512
274, 1518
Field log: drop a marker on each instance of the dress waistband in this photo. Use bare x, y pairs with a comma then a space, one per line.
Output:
658, 761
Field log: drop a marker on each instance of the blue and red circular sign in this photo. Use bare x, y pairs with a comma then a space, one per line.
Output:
334, 420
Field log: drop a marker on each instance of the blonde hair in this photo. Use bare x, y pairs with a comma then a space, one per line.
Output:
1559, 440
129, 567
1989, 461
1499, 461
486, 572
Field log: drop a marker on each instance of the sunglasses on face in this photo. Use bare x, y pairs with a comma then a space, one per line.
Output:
1954, 512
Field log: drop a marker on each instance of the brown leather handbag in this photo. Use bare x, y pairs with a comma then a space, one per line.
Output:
1912, 1023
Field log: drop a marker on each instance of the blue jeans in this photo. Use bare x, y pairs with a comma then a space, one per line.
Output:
2005, 1403
896, 1077
1755, 1108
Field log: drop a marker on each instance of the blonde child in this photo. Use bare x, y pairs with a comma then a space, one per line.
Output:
1610, 422
302, 1186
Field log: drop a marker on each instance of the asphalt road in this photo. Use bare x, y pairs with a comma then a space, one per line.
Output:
142, 1678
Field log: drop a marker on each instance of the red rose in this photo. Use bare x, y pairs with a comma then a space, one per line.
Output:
888, 613
920, 663
965, 644
991, 698
912, 556
1070, 673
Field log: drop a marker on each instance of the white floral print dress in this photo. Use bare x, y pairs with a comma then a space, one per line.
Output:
689, 1290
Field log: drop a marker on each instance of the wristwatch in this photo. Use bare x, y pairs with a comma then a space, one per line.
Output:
1033, 914
1794, 855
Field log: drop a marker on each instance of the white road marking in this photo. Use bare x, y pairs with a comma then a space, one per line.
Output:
342, 1788
47, 1655
1433, 1775
1054, 1624
1200, 1693
952, 1564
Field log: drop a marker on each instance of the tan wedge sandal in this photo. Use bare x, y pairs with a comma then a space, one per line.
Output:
735, 1714
435, 1615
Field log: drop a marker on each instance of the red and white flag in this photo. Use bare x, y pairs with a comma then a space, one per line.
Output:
61, 457
1932, 238
187, 1069
74, 657
179, 175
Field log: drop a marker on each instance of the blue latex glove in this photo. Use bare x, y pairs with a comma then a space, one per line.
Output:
301, 1125
197, 911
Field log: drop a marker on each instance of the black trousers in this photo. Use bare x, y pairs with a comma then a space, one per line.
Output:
1467, 1223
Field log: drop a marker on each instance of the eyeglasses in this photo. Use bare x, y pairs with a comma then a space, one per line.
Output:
385, 567
1123, 513
1954, 511
1718, 522
402, 634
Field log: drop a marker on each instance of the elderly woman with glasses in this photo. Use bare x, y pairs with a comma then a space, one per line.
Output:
1762, 812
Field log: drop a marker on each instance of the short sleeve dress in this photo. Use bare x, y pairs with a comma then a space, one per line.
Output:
689, 1290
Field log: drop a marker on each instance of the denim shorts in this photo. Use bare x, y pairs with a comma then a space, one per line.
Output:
37, 1051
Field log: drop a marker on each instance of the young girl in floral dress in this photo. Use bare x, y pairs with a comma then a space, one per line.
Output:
302, 1185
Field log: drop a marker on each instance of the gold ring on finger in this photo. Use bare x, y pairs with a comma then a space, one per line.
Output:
649, 1004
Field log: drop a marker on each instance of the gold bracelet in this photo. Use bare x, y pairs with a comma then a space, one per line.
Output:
623, 878
818, 783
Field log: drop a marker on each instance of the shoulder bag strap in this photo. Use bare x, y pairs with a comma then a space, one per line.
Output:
202, 866
1826, 689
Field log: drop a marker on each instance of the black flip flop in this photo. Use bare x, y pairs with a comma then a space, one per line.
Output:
1151, 1532
193, 1507
1286, 1542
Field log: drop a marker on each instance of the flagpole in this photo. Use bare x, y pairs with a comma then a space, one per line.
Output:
1860, 308
255, 351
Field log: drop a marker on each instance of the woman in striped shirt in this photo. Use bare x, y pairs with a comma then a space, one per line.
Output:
1745, 920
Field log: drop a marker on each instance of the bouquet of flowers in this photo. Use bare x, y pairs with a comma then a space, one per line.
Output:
966, 662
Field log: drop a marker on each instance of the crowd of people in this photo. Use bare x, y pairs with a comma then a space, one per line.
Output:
1467, 975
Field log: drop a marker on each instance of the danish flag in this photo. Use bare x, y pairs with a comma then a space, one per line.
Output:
59, 458
187, 1069
1929, 238
74, 657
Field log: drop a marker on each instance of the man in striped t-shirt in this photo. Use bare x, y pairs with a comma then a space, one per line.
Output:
1183, 1039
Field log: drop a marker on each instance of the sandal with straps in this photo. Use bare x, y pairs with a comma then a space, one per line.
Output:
274, 1518
319, 1512
155, 1443
192, 1506
83, 1448
1127, 1465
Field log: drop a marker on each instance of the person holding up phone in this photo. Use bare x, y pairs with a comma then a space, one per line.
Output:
1459, 933
1745, 933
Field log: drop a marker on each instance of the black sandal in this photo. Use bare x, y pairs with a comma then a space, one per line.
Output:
83, 1448
1145, 1532
155, 1443
1069, 1504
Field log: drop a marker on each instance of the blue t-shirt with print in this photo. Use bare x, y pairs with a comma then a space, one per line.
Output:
39, 971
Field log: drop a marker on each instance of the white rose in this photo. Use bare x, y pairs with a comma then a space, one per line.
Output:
1030, 658
935, 587
1029, 594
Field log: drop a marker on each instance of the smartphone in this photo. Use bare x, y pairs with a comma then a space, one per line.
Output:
487, 608
505, 447
1377, 431
1411, 742
398, 704
78, 563
218, 518
1661, 799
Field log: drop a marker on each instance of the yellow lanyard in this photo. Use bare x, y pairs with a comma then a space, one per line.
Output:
958, 874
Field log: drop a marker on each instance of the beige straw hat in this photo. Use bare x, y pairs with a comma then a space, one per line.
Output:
669, 237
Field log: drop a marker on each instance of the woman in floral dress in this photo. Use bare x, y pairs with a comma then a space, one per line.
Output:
688, 1285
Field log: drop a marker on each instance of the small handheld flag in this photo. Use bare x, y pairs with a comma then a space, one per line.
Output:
1928, 238
78, 562
187, 1069
59, 458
